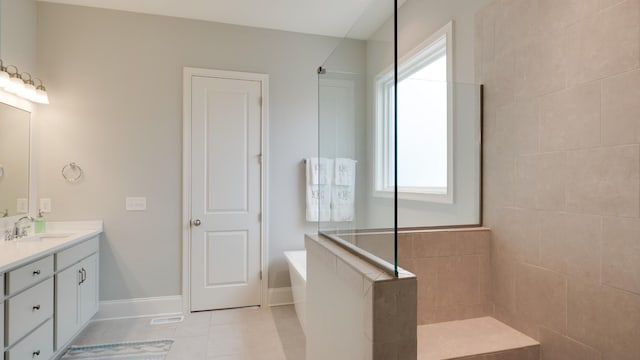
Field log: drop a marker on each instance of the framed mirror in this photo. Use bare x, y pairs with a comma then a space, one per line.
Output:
15, 154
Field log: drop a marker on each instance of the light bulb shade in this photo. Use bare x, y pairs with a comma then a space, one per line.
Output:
4, 79
15, 85
41, 97
28, 92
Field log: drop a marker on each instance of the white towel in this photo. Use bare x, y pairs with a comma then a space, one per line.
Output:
342, 202
319, 173
345, 172
318, 202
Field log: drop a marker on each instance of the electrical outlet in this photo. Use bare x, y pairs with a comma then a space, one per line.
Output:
136, 203
22, 206
45, 205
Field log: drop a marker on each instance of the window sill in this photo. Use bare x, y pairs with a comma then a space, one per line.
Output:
431, 197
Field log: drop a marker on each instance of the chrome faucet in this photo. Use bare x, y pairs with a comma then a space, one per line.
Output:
21, 230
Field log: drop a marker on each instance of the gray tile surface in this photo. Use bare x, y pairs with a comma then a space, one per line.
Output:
238, 334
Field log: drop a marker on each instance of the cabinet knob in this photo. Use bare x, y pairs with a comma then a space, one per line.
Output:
37, 272
37, 307
35, 354
196, 222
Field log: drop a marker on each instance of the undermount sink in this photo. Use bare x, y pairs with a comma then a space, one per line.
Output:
43, 236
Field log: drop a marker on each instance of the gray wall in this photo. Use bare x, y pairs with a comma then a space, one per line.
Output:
18, 34
115, 84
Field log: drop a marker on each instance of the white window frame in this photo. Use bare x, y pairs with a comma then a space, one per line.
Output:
384, 116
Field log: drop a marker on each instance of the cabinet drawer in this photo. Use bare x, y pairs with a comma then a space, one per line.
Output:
72, 255
27, 275
38, 345
28, 309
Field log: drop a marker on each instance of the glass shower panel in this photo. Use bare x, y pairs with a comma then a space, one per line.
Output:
348, 105
439, 114
400, 121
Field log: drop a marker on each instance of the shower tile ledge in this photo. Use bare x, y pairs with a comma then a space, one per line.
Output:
467, 338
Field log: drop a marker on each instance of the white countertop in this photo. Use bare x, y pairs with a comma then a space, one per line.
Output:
15, 253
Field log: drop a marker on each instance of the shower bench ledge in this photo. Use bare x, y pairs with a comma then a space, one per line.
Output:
482, 338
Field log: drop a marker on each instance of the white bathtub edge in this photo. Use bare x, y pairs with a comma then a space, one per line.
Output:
280, 296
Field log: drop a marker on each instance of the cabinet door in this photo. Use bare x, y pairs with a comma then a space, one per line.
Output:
89, 288
67, 314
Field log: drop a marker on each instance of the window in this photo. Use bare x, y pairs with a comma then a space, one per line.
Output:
424, 124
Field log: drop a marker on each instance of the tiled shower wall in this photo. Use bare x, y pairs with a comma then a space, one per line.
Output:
562, 171
453, 271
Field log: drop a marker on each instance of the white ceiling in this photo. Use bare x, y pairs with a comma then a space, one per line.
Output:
320, 17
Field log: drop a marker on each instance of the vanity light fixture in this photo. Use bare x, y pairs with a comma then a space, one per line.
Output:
29, 89
16, 84
4, 75
22, 85
41, 96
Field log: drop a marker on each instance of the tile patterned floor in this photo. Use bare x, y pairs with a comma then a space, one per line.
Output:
240, 334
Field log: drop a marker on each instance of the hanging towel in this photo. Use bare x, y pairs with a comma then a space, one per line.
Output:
318, 202
343, 191
343, 201
319, 174
319, 171
345, 172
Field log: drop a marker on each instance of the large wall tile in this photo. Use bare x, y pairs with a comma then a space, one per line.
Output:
460, 280
570, 119
559, 347
552, 180
517, 234
541, 296
604, 181
503, 286
541, 66
605, 43
572, 244
499, 78
526, 182
519, 126
605, 318
427, 275
514, 24
621, 109
554, 15
621, 253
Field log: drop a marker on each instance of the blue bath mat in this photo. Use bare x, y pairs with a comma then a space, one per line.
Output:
139, 350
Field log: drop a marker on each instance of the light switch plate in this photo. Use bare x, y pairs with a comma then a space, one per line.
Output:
22, 206
45, 205
136, 203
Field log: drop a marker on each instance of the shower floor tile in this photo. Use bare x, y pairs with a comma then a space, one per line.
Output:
258, 334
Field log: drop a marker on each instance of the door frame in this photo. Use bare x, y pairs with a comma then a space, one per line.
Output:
188, 73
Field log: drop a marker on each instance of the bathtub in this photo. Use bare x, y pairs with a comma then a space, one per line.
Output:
298, 272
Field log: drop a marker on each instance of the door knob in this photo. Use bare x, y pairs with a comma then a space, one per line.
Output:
196, 222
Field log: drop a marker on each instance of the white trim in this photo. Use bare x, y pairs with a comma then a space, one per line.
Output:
280, 296
382, 161
142, 307
188, 73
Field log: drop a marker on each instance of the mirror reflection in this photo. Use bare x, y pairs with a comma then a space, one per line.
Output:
14, 161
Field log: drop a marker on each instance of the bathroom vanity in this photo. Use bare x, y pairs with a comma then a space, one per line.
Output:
50, 289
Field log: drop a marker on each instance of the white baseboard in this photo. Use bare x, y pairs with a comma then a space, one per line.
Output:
142, 307
280, 296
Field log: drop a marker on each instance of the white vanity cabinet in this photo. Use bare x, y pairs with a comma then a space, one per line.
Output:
48, 290
76, 289
29, 311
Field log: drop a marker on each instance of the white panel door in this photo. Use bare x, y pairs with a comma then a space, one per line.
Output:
225, 192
